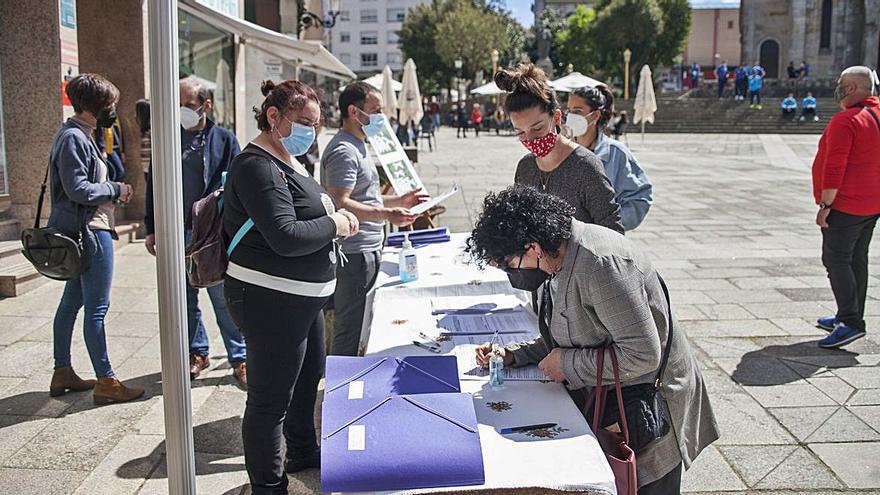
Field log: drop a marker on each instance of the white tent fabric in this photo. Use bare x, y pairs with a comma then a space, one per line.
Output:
311, 54
490, 89
376, 82
574, 81
646, 103
389, 101
410, 99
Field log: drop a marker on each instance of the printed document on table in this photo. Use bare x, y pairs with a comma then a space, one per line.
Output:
427, 205
465, 353
489, 323
476, 304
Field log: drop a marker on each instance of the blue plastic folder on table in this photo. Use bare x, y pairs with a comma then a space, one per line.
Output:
419, 237
392, 423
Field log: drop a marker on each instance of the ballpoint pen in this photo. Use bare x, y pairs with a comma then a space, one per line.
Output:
426, 346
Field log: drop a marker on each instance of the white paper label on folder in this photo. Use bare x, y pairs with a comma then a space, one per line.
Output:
357, 437
356, 390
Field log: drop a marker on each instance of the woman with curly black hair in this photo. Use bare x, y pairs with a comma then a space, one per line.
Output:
609, 295
555, 164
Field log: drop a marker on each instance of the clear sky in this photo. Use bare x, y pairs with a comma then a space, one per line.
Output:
522, 11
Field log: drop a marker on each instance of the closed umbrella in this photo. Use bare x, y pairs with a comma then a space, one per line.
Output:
223, 95
410, 100
389, 101
645, 104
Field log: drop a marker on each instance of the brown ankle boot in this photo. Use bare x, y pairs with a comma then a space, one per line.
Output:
64, 379
110, 390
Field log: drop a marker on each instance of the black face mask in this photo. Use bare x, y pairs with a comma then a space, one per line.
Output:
528, 279
107, 118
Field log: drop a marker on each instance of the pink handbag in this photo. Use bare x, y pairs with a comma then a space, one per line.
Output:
615, 445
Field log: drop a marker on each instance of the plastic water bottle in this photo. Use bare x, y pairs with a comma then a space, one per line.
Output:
409, 263
496, 371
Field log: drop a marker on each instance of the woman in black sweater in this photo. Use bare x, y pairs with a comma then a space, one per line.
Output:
280, 275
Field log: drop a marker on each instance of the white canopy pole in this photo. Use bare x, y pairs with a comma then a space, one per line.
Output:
168, 191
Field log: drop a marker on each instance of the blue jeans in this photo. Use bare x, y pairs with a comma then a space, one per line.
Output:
236, 351
90, 290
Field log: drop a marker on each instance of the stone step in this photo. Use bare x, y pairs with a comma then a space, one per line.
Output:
18, 276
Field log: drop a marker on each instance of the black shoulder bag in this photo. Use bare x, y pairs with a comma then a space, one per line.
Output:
647, 414
53, 253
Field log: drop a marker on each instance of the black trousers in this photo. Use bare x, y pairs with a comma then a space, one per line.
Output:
670, 484
285, 338
845, 245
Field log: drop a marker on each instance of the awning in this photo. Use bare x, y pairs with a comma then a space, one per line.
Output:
311, 55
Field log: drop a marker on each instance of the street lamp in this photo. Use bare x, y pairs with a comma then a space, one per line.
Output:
627, 55
459, 63
495, 56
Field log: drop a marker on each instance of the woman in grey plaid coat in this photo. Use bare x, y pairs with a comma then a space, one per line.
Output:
609, 294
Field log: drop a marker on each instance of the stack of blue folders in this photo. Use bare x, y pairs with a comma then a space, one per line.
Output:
392, 423
419, 237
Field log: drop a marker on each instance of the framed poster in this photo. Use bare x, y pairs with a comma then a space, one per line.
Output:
393, 159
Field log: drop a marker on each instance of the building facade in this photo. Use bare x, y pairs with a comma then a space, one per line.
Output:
829, 35
366, 34
715, 34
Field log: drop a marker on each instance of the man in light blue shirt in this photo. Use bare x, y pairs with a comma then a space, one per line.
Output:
756, 83
808, 107
789, 106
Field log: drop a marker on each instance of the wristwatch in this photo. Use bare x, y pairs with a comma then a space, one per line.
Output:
824, 206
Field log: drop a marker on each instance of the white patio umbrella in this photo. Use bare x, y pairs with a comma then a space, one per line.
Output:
645, 104
389, 101
574, 81
410, 99
376, 82
490, 89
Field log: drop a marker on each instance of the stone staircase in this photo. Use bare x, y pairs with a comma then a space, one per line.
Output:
684, 114
18, 276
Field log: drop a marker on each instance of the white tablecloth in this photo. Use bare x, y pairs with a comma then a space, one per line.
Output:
570, 459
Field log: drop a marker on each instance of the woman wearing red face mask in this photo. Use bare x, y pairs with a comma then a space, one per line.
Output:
555, 164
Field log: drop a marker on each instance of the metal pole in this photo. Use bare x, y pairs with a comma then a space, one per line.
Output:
173, 335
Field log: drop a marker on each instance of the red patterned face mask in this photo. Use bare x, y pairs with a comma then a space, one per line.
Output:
541, 146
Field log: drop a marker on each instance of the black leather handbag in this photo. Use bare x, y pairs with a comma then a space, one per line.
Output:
647, 414
53, 253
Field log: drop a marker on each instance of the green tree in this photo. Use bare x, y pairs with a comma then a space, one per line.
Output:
676, 28
622, 24
417, 41
471, 33
574, 42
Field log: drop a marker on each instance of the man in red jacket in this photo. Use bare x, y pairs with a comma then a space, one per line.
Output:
846, 186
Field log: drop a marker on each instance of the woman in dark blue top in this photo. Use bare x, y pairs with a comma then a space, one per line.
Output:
279, 278
83, 196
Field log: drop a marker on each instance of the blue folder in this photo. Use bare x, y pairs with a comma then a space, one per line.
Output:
353, 384
419, 237
404, 442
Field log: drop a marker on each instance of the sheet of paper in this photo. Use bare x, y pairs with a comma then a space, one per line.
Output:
465, 354
427, 205
503, 322
476, 304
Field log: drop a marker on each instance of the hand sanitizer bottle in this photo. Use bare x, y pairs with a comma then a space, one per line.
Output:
496, 371
408, 264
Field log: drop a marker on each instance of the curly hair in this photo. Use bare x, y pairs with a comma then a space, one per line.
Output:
515, 217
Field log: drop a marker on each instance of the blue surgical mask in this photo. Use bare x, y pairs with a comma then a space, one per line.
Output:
300, 139
376, 125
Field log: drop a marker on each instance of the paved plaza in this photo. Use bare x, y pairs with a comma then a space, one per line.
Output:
731, 231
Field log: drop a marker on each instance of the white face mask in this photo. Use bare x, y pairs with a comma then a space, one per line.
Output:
189, 118
577, 124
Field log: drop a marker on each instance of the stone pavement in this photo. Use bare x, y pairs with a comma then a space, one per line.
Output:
732, 232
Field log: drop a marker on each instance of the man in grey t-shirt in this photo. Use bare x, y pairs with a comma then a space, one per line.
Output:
350, 176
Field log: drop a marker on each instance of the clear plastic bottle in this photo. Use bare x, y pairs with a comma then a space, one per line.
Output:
496, 370
408, 264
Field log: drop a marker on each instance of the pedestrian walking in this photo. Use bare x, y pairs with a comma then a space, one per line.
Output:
84, 195
721, 74
477, 118
846, 181
207, 150
695, 75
